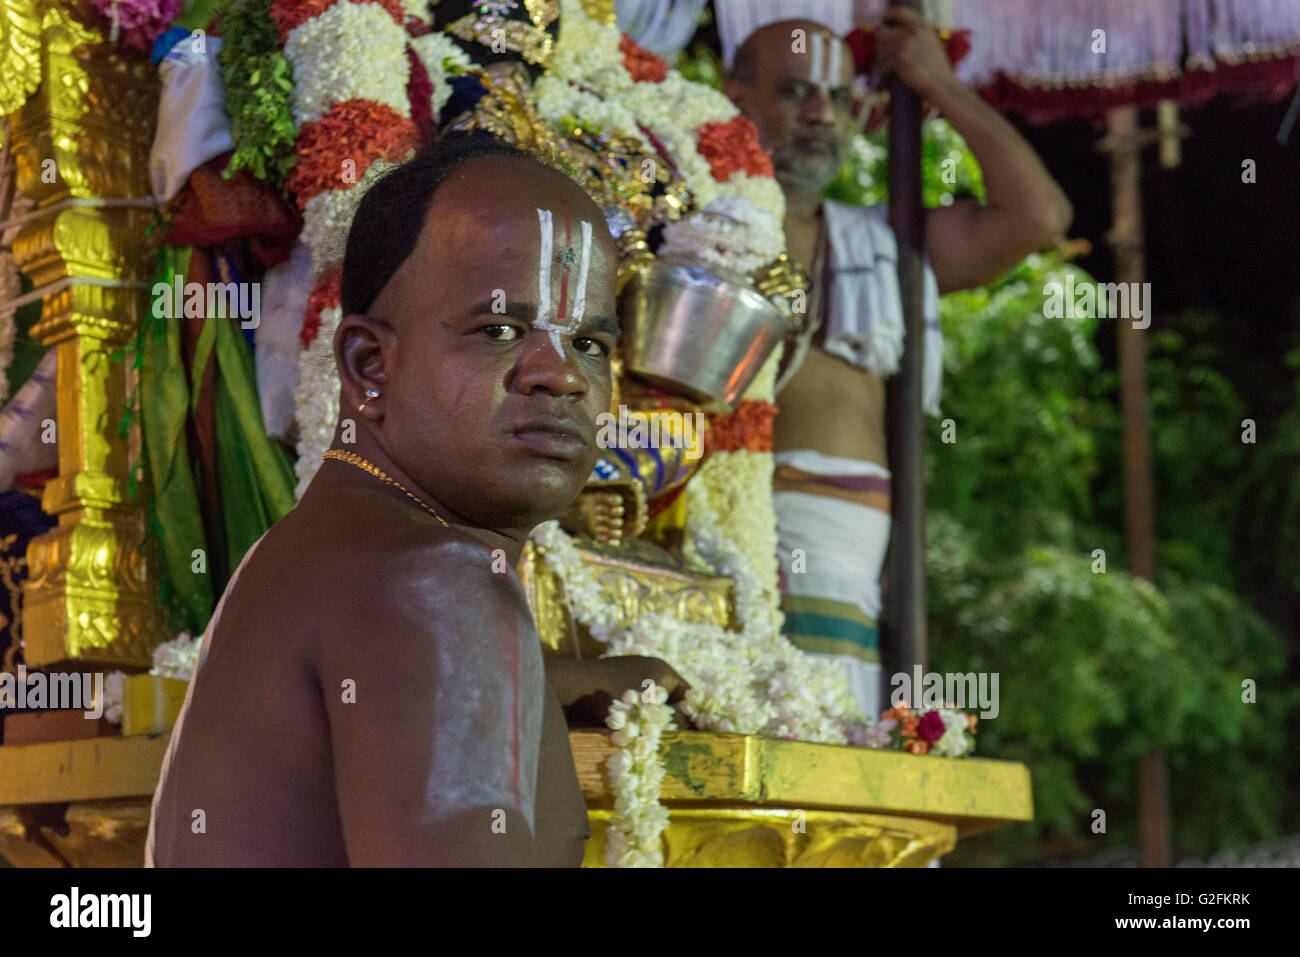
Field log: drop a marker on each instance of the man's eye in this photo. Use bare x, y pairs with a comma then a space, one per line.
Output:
797, 91
499, 332
842, 96
584, 345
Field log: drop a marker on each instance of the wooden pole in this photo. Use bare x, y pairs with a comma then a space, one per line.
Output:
904, 635
1124, 142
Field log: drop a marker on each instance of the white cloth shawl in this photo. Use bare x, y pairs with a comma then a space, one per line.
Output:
192, 122
864, 315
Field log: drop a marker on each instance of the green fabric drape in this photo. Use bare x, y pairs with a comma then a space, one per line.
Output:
164, 408
257, 480
254, 473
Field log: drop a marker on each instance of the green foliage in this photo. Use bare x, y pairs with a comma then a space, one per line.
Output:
1017, 387
701, 64
1197, 454
1268, 498
197, 14
1095, 667
258, 80
948, 169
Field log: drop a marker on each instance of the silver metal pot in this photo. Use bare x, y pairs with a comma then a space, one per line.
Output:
699, 331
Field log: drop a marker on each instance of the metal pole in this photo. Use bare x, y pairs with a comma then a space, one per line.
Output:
903, 642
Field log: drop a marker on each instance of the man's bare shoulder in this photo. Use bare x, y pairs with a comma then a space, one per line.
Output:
356, 567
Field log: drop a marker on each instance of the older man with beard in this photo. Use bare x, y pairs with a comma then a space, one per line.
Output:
832, 484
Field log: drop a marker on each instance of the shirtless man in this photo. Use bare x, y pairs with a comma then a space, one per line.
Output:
372, 691
832, 483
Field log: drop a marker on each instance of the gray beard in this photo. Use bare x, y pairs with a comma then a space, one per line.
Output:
803, 172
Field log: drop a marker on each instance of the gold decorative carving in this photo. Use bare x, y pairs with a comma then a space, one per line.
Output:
528, 39
85, 134
11, 567
635, 583
784, 837
20, 49
609, 168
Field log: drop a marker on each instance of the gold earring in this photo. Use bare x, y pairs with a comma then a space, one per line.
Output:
370, 394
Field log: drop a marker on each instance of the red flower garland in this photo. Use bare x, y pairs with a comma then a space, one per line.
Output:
288, 14
323, 295
643, 65
419, 92
360, 130
733, 147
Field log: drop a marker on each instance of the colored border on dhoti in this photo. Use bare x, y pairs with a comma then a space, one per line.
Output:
869, 490
830, 627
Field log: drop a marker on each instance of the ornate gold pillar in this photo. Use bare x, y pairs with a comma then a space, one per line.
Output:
84, 134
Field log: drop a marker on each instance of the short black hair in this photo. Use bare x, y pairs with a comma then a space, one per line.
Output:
391, 215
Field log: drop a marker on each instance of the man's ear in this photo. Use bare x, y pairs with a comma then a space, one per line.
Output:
364, 350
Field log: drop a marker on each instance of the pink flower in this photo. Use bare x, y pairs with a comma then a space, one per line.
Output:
140, 22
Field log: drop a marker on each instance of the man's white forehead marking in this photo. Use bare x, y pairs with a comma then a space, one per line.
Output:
833, 73
544, 274
543, 321
824, 64
580, 294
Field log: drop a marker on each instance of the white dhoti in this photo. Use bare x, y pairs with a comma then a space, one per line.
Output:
832, 519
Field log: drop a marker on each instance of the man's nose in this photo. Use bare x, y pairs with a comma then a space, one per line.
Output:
542, 366
817, 108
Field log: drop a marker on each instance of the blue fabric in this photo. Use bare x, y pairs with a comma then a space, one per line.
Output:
466, 91
163, 45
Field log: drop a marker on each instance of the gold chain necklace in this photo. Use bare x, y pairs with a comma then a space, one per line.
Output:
353, 459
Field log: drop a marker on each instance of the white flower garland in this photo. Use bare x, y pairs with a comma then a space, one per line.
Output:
347, 51
316, 398
340, 54
636, 773
171, 659
327, 217
730, 233
440, 56
738, 487
177, 658
753, 681
416, 10
557, 98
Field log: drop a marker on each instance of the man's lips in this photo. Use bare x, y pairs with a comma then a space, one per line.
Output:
552, 437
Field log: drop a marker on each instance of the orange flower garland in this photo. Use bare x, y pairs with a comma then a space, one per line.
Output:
360, 130
748, 429
323, 295
640, 63
733, 147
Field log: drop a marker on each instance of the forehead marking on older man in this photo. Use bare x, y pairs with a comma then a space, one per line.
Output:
567, 258
824, 62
